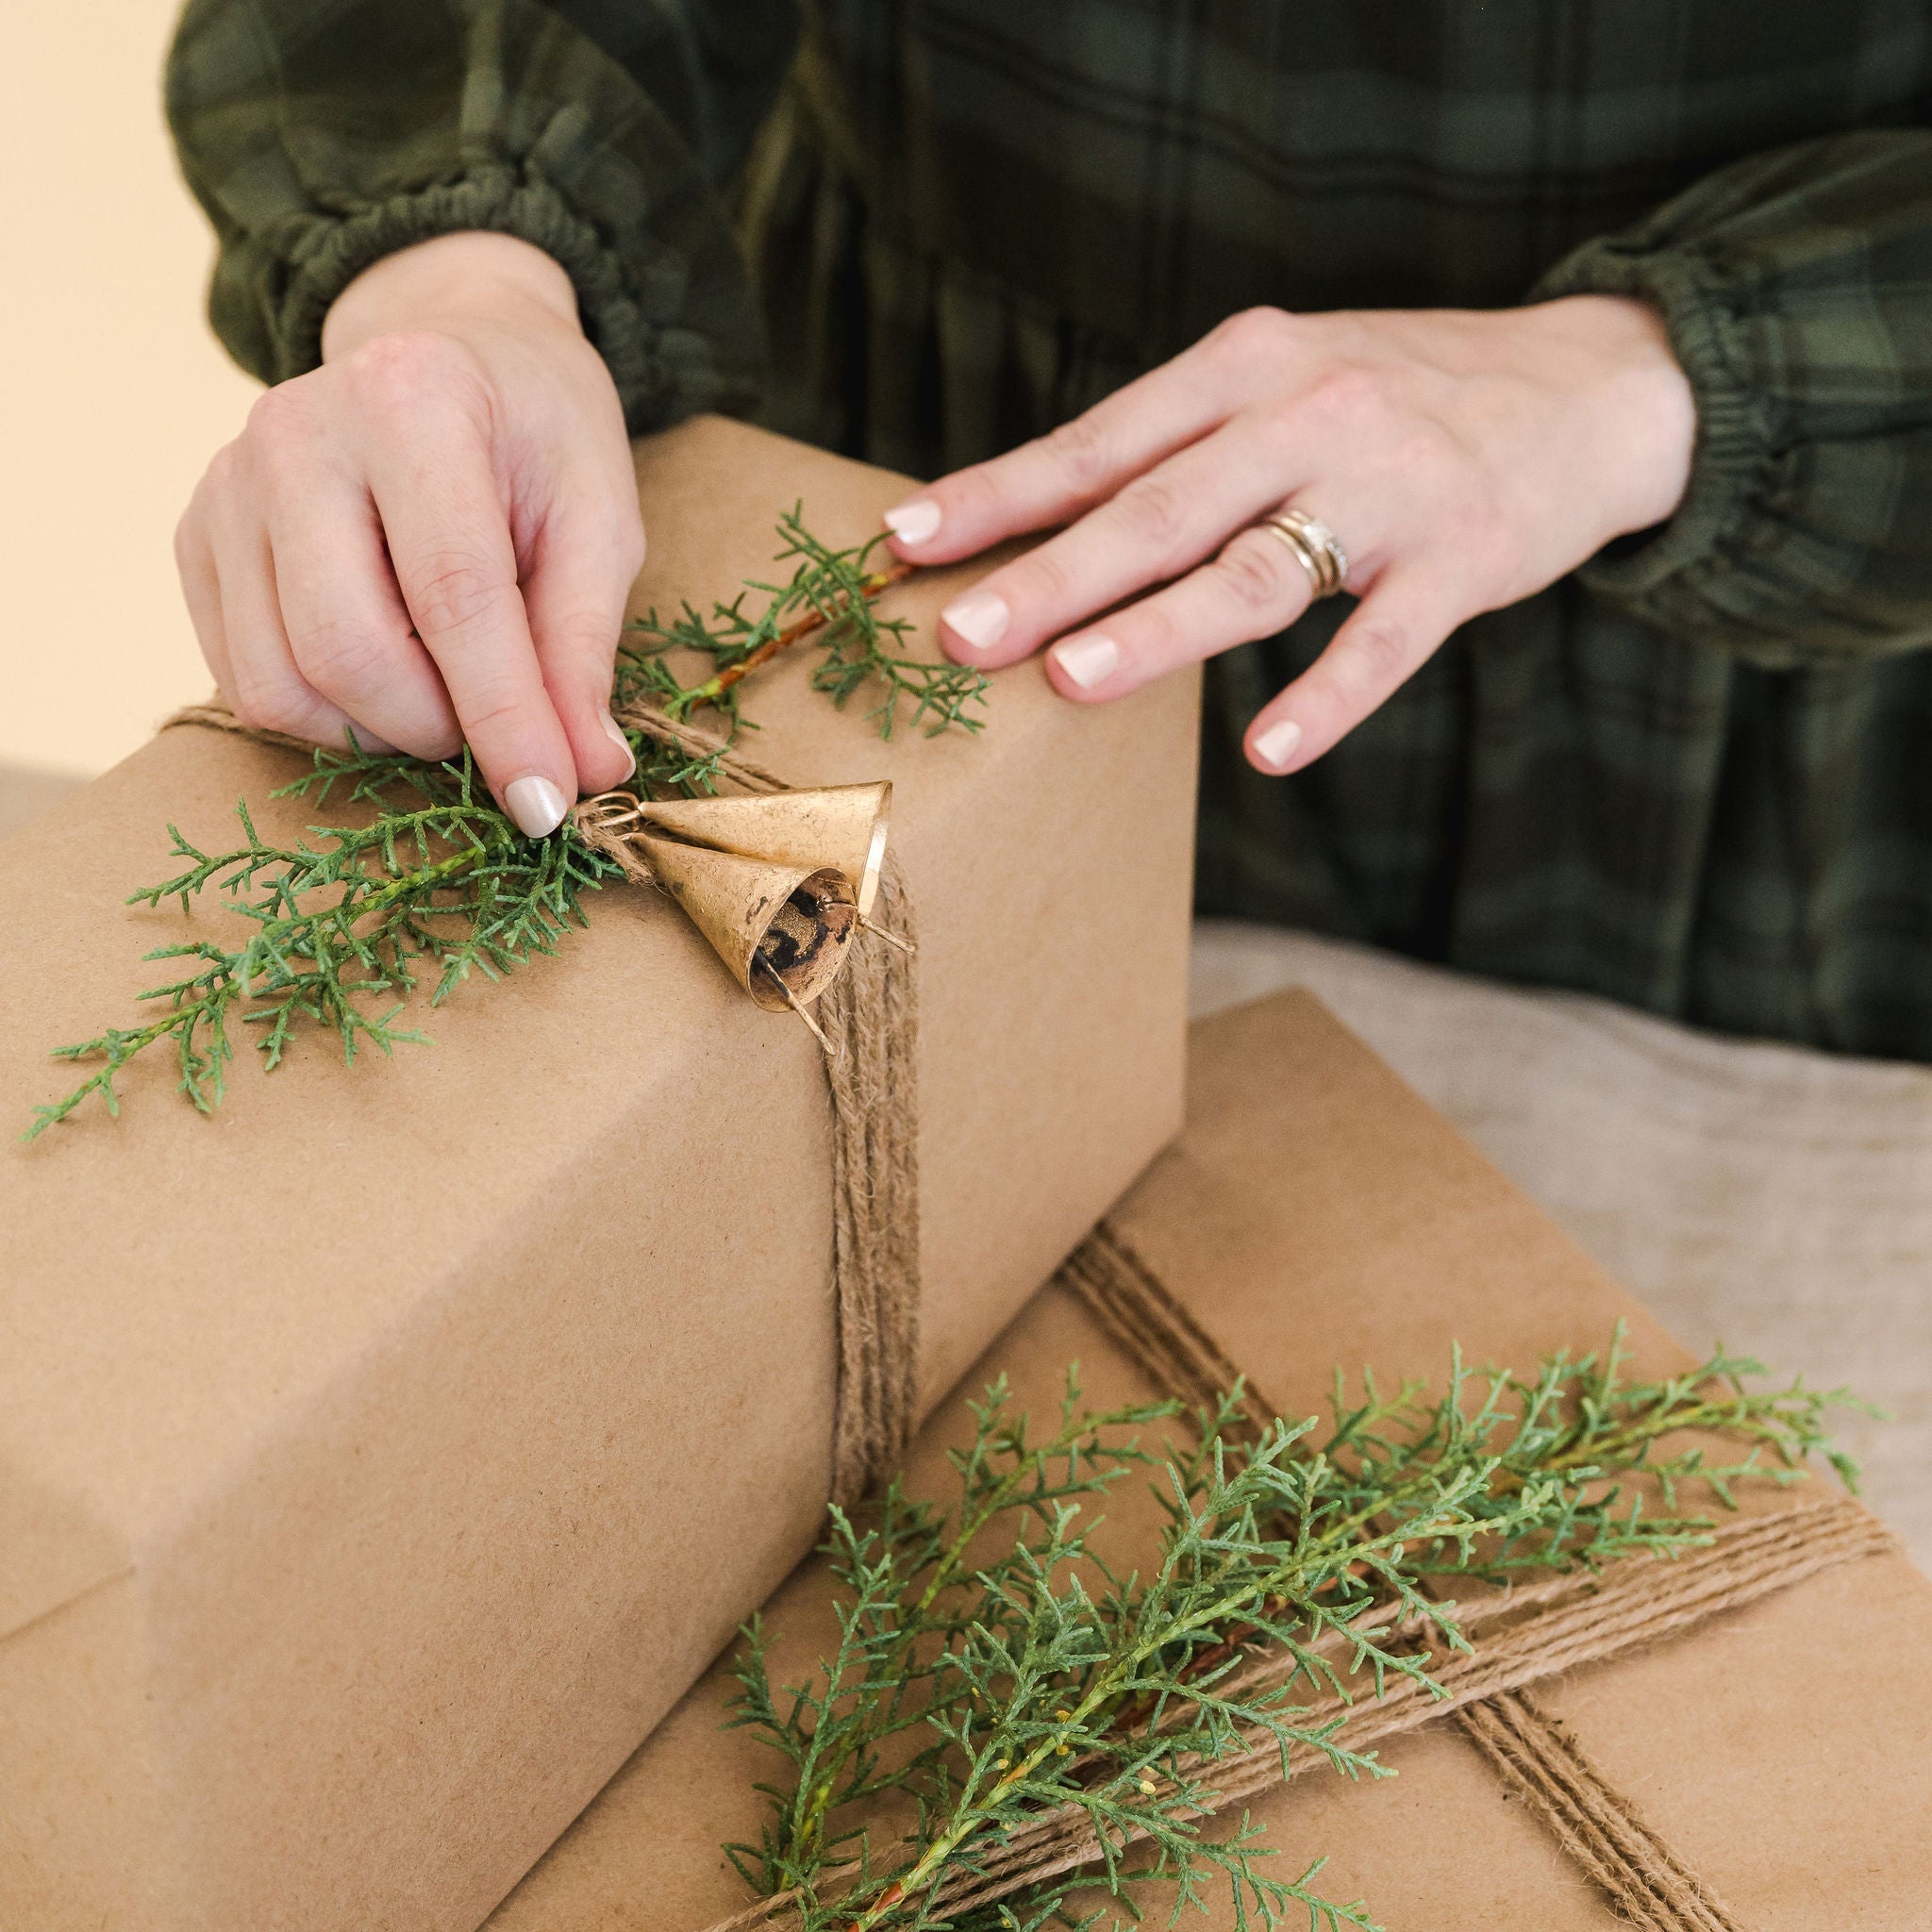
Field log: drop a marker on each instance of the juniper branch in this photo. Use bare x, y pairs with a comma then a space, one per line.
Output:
346, 916
432, 874
827, 599
988, 1688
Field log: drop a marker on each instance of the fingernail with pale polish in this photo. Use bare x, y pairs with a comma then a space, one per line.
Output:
614, 732
915, 522
981, 617
537, 806
1086, 660
1278, 743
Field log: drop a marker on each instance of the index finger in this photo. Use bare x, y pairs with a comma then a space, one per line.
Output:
455, 562
1056, 476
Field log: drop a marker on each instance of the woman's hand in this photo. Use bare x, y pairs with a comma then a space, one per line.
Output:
1462, 459
430, 539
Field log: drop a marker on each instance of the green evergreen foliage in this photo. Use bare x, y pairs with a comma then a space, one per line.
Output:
991, 1666
434, 876
429, 876
827, 596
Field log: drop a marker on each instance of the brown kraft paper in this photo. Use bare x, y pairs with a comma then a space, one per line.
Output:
1315, 1213
382, 1456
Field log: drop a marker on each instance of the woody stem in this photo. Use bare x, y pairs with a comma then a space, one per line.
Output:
715, 686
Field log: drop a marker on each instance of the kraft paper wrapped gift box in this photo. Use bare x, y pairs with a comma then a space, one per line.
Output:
1313, 1214
381, 1458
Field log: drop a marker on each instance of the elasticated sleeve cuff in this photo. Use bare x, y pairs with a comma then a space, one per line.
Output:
1790, 288
321, 135
1734, 442
504, 201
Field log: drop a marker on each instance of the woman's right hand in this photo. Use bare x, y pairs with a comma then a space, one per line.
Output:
431, 536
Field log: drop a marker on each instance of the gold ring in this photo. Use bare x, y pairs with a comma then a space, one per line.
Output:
1317, 547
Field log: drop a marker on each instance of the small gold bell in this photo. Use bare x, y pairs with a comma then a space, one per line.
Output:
842, 826
781, 929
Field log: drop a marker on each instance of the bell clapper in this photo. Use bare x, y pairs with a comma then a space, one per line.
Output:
892, 939
797, 1005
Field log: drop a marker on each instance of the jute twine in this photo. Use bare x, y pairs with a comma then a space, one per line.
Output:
869, 1018
869, 1015
1520, 1638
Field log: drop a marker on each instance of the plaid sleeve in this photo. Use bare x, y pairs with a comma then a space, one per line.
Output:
320, 135
1795, 287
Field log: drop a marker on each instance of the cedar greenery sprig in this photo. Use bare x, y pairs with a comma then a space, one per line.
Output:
436, 876
431, 876
828, 597
991, 1666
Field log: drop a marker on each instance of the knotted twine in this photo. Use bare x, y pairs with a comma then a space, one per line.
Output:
1525, 1634
869, 1022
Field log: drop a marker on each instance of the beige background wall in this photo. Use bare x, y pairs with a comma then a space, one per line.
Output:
112, 391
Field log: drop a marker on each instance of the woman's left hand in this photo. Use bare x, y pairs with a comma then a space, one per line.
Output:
1462, 459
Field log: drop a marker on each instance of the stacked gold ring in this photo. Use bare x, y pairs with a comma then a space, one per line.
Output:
1312, 540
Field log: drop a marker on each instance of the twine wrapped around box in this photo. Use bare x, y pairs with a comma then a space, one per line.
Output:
870, 1016
1524, 1636
865, 1002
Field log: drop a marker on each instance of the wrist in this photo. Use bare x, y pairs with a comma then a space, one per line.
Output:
445, 281
1638, 400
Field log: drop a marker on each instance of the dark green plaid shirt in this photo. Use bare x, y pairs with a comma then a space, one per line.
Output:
1694, 778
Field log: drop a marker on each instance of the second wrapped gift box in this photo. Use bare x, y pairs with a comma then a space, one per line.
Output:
1733, 1738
